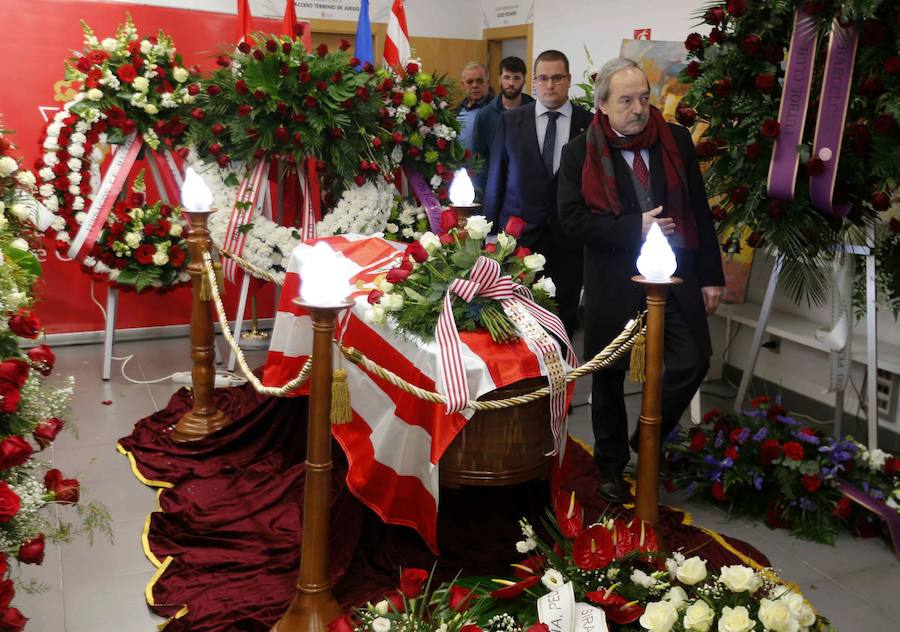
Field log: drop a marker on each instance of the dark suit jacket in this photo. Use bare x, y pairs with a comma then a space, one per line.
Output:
518, 183
612, 244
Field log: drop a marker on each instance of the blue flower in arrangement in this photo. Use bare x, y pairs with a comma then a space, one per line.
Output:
692, 488
874, 492
761, 434
720, 439
742, 436
807, 504
758, 479
807, 438
788, 421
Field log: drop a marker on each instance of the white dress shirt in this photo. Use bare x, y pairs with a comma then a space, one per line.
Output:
563, 126
628, 155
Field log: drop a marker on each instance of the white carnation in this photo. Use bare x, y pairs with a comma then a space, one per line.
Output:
26, 179
8, 166
180, 74
109, 44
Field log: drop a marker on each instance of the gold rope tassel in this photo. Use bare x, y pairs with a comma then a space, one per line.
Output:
205, 290
638, 357
340, 398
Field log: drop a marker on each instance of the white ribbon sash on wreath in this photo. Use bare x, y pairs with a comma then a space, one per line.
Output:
166, 174
532, 321
559, 612
838, 340
308, 213
248, 202
119, 167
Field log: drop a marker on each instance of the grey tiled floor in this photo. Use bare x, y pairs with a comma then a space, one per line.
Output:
94, 589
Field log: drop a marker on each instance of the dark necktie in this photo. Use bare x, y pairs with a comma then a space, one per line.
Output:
549, 147
640, 170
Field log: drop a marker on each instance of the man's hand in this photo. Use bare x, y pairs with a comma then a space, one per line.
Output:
666, 224
712, 295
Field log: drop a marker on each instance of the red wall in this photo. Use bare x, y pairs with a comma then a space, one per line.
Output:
39, 35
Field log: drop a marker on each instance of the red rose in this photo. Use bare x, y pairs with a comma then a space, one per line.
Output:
471, 627
714, 16
10, 503
45, 432
871, 87
244, 110
359, 180
66, 490
694, 42
198, 114
515, 225
698, 441
7, 592
144, 254
732, 453
449, 219
354, 62
461, 598
723, 87
42, 359
718, 213
395, 599
773, 53
765, 83
521, 252
775, 210
244, 47
343, 623
223, 160
881, 201
225, 60
739, 194
24, 323
736, 8
842, 508
750, 44
892, 466
491, 247
894, 225
374, 297
259, 95
13, 621
412, 581
770, 128
707, 149
687, 116
718, 491
752, 151
811, 482
310, 102
396, 275
32, 551
693, 69
14, 451
793, 450
769, 450
716, 36
883, 123
322, 50
892, 65
417, 252
440, 90
336, 132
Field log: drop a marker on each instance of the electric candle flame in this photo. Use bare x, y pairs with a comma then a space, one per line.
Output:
462, 193
657, 261
195, 195
325, 276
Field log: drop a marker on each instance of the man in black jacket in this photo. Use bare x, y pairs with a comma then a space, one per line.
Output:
522, 176
630, 170
512, 80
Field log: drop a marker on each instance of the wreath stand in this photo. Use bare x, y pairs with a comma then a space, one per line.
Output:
112, 295
868, 252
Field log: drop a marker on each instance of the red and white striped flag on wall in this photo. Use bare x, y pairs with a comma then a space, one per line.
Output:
396, 42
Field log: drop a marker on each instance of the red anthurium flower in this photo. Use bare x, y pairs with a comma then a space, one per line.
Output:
618, 609
461, 598
511, 590
412, 581
531, 565
538, 627
343, 623
593, 548
470, 627
643, 536
569, 514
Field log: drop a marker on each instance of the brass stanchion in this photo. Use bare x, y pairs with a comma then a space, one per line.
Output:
647, 501
314, 606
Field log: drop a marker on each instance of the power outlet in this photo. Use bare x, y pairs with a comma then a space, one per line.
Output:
773, 345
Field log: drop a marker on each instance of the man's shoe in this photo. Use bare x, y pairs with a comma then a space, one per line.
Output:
613, 490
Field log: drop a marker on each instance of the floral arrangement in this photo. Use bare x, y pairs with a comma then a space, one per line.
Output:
735, 73
764, 462
362, 210
31, 409
411, 295
129, 85
407, 222
141, 245
417, 127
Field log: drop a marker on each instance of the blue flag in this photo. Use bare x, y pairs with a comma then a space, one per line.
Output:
364, 51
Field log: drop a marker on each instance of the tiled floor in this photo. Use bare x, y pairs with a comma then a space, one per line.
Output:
101, 588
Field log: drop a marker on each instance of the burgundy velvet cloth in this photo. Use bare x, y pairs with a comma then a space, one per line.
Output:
232, 520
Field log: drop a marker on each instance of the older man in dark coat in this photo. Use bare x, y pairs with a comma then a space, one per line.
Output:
629, 170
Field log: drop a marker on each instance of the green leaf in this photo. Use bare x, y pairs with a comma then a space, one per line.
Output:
25, 260
245, 228
413, 295
232, 180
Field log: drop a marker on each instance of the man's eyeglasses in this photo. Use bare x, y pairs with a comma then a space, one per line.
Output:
550, 78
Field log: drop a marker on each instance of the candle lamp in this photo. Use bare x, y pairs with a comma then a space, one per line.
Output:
204, 418
324, 291
462, 197
656, 265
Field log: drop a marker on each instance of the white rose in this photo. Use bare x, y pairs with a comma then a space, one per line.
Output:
546, 284
146, 47
109, 44
160, 258
735, 620
659, 616
776, 616
382, 607
151, 109
553, 579
381, 624
506, 242
676, 596
94, 94
800, 609
739, 578
526, 545
133, 239
175, 229
478, 227
698, 617
141, 84
692, 571
535, 262
430, 241
7, 166
20, 212
180, 74
19, 244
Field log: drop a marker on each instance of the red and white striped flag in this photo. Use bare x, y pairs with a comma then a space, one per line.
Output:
395, 440
396, 42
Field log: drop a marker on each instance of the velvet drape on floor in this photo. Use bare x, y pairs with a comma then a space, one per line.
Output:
227, 537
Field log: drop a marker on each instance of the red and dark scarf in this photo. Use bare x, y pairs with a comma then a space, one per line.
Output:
598, 178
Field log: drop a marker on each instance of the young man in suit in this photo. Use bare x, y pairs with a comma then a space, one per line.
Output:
522, 176
629, 170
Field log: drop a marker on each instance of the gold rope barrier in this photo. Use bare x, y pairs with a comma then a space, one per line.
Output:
612, 352
259, 273
242, 361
